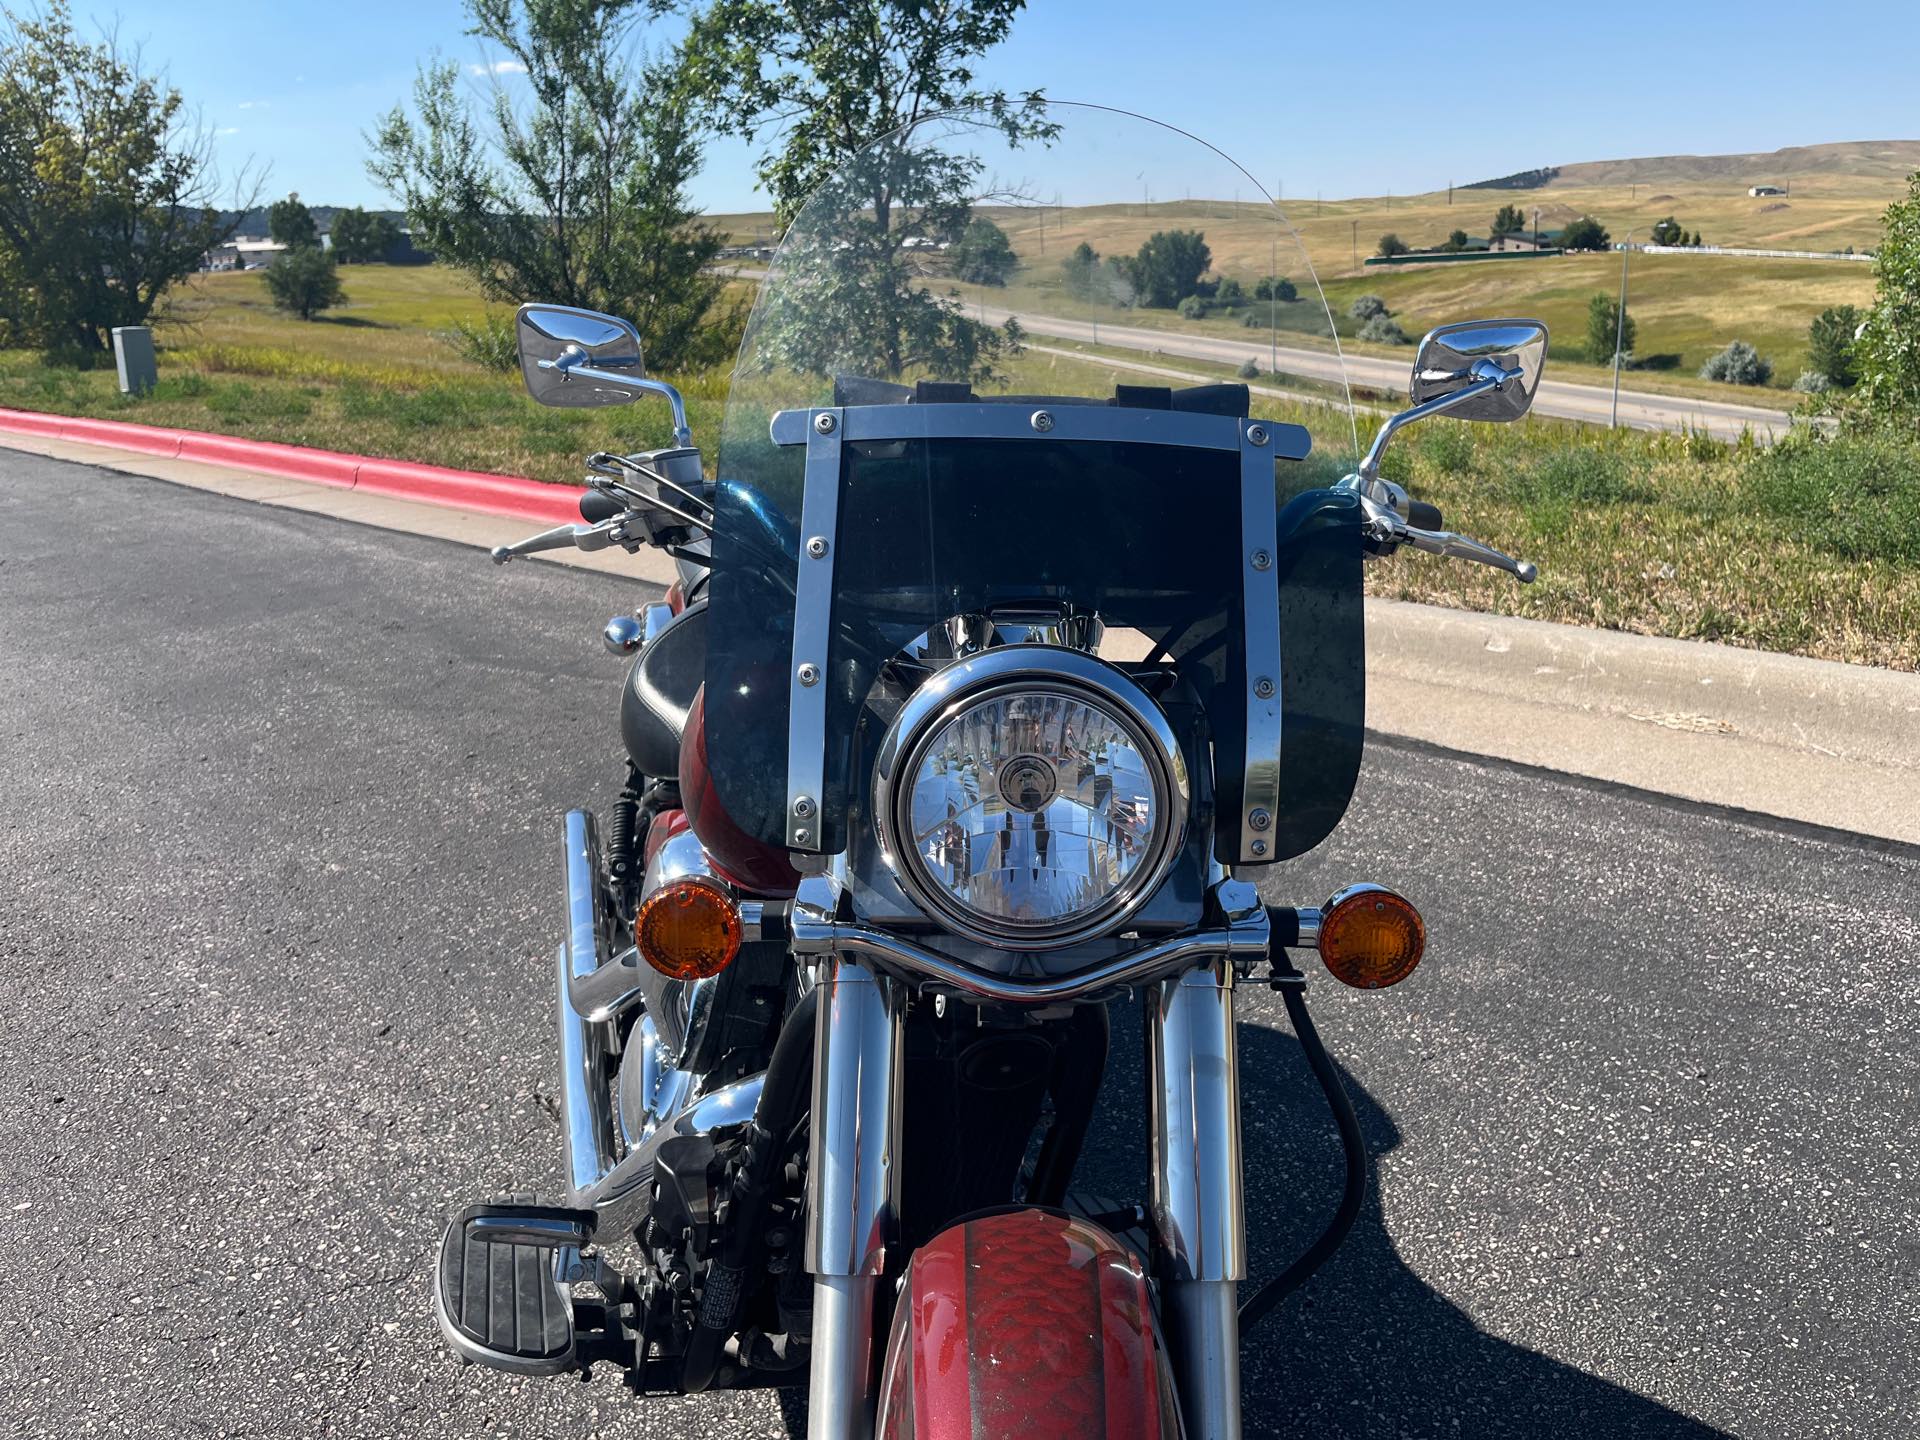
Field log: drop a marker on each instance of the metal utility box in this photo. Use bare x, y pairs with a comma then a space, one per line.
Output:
133, 356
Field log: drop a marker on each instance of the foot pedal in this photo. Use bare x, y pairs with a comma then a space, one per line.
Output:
495, 1291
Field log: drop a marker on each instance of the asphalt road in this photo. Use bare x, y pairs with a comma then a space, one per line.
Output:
281, 876
1592, 404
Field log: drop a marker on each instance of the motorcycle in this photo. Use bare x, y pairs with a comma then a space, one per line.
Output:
988, 690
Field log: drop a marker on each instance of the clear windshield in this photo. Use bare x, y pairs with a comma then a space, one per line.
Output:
1093, 369
1117, 253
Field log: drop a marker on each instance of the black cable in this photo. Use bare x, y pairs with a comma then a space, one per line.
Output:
1292, 987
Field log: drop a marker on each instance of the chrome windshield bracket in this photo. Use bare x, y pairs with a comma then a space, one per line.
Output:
1260, 620
807, 679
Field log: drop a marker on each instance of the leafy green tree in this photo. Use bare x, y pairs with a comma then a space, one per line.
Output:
823, 78
575, 194
1081, 271
1275, 287
1889, 350
1456, 242
1604, 322
305, 281
983, 255
1585, 233
107, 191
1508, 221
1830, 345
1668, 232
290, 223
1168, 267
1230, 292
1390, 246
360, 237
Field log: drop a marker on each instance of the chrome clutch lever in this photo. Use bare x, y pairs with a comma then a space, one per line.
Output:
1387, 528
581, 537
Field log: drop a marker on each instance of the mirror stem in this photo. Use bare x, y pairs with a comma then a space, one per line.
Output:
682, 436
1370, 467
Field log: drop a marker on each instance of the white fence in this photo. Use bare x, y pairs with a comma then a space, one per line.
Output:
1755, 254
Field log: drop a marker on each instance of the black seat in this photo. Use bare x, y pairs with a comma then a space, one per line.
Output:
659, 691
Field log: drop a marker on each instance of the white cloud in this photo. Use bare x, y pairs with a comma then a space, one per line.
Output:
256, 104
228, 130
498, 67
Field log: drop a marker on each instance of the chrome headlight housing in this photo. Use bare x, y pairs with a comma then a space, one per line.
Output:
1030, 797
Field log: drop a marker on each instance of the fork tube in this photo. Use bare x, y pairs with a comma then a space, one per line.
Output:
1193, 1106
854, 1172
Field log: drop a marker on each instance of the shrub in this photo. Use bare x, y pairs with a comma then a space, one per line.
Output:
1852, 495
1830, 345
1229, 292
1391, 245
1738, 364
1604, 323
1275, 287
1368, 306
1254, 320
489, 342
1249, 370
1449, 448
1812, 382
1384, 330
1578, 475
1194, 307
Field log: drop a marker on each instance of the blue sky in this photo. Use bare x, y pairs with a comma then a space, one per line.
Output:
1342, 99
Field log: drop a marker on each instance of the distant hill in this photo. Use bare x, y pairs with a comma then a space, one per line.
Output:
1865, 159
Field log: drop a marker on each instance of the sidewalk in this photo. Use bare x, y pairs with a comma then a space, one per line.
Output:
1805, 740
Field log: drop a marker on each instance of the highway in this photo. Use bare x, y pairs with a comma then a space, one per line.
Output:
281, 892
1591, 404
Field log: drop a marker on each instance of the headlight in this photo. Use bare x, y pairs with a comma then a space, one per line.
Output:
1030, 797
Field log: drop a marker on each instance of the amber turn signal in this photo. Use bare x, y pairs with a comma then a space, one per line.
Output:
1371, 938
688, 929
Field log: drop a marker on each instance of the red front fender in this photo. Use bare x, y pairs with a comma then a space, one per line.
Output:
1027, 1323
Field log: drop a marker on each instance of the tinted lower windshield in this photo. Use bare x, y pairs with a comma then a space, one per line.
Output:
912, 434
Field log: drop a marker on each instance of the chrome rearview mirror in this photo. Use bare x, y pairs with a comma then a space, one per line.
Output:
579, 359
1454, 357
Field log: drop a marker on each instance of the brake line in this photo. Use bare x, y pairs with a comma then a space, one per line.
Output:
1292, 986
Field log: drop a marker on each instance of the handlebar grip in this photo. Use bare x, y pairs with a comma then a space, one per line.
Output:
595, 507
1423, 516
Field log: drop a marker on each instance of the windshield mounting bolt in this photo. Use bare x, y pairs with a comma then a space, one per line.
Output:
824, 423
817, 547
802, 835
1260, 819
1263, 688
1043, 420
1259, 847
1256, 434
803, 808
809, 673
1261, 560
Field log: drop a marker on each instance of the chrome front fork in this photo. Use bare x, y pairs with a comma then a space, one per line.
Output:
1194, 1118
854, 1166
1193, 1110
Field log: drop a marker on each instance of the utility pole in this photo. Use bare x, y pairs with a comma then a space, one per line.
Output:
1620, 327
1449, 194
1356, 246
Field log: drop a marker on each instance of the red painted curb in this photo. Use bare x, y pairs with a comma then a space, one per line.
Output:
509, 495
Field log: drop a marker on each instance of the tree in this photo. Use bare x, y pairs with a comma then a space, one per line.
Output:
1508, 221
108, 194
1230, 292
983, 255
1391, 245
1604, 323
576, 193
1830, 345
1082, 273
1456, 242
360, 237
290, 223
1584, 234
1889, 350
1168, 267
1275, 287
826, 77
1668, 232
305, 281
1738, 364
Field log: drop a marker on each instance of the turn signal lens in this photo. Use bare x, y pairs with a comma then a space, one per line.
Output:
688, 929
1371, 938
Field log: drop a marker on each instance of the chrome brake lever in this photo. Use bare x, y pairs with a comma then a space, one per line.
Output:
1387, 527
581, 537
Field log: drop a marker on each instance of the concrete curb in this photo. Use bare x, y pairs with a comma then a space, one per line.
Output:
402, 479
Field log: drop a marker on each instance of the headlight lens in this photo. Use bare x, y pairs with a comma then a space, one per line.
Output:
1035, 813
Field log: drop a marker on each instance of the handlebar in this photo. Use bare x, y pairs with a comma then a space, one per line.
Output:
1423, 516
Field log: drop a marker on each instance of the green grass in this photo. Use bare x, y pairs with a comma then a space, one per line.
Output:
1812, 547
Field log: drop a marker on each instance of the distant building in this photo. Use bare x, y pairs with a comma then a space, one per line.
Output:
1527, 240
243, 252
1758, 190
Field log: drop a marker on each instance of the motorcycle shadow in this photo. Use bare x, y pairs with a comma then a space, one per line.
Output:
1365, 1347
